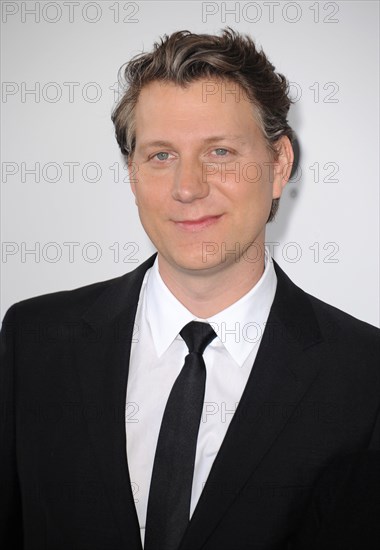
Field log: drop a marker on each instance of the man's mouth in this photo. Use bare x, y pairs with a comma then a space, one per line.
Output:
198, 224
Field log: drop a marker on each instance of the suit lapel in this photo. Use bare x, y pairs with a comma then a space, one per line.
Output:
103, 360
282, 372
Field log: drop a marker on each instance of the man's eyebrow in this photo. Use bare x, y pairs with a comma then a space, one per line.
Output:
226, 137
156, 143
163, 143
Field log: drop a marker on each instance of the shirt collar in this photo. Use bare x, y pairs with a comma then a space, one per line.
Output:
239, 327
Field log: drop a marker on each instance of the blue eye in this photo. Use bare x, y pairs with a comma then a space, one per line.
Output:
221, 152
162, 156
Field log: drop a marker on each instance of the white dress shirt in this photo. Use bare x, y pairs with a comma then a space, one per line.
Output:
157, 357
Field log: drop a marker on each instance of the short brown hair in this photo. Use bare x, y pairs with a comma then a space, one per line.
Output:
184, 57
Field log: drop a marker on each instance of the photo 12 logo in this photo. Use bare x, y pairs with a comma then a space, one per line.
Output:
270, 12
69, 12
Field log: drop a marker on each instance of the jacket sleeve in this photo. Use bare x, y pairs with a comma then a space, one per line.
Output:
11, 532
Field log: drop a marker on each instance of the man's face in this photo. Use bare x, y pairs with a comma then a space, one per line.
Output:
204, 179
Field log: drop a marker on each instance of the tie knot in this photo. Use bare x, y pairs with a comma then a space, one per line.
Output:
197, 336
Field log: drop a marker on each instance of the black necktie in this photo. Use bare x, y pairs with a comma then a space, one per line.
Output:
168, 510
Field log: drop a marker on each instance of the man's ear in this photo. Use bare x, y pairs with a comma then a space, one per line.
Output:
282, 166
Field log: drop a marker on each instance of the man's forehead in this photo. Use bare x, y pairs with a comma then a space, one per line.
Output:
215, 87
164, 113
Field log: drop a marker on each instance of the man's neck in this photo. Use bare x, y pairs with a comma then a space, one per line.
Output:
208, 293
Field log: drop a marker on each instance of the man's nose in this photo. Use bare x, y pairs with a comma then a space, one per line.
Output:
189, 183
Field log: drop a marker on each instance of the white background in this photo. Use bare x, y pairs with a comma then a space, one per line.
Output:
329, 50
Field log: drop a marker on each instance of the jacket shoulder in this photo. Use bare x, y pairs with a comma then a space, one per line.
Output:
76, 301
333, 323
337, 324
71, 303
66, 305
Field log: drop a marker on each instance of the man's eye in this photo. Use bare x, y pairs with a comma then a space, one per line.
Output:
220, 152
161, 155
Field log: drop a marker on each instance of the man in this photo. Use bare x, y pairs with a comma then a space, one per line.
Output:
202, 400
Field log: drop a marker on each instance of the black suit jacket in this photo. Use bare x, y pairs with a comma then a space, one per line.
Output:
312, 398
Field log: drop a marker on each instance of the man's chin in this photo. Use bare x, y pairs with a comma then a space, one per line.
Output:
203, 258
200, 265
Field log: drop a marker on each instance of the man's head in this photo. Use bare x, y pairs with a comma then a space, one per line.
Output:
185, 57
203, 125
